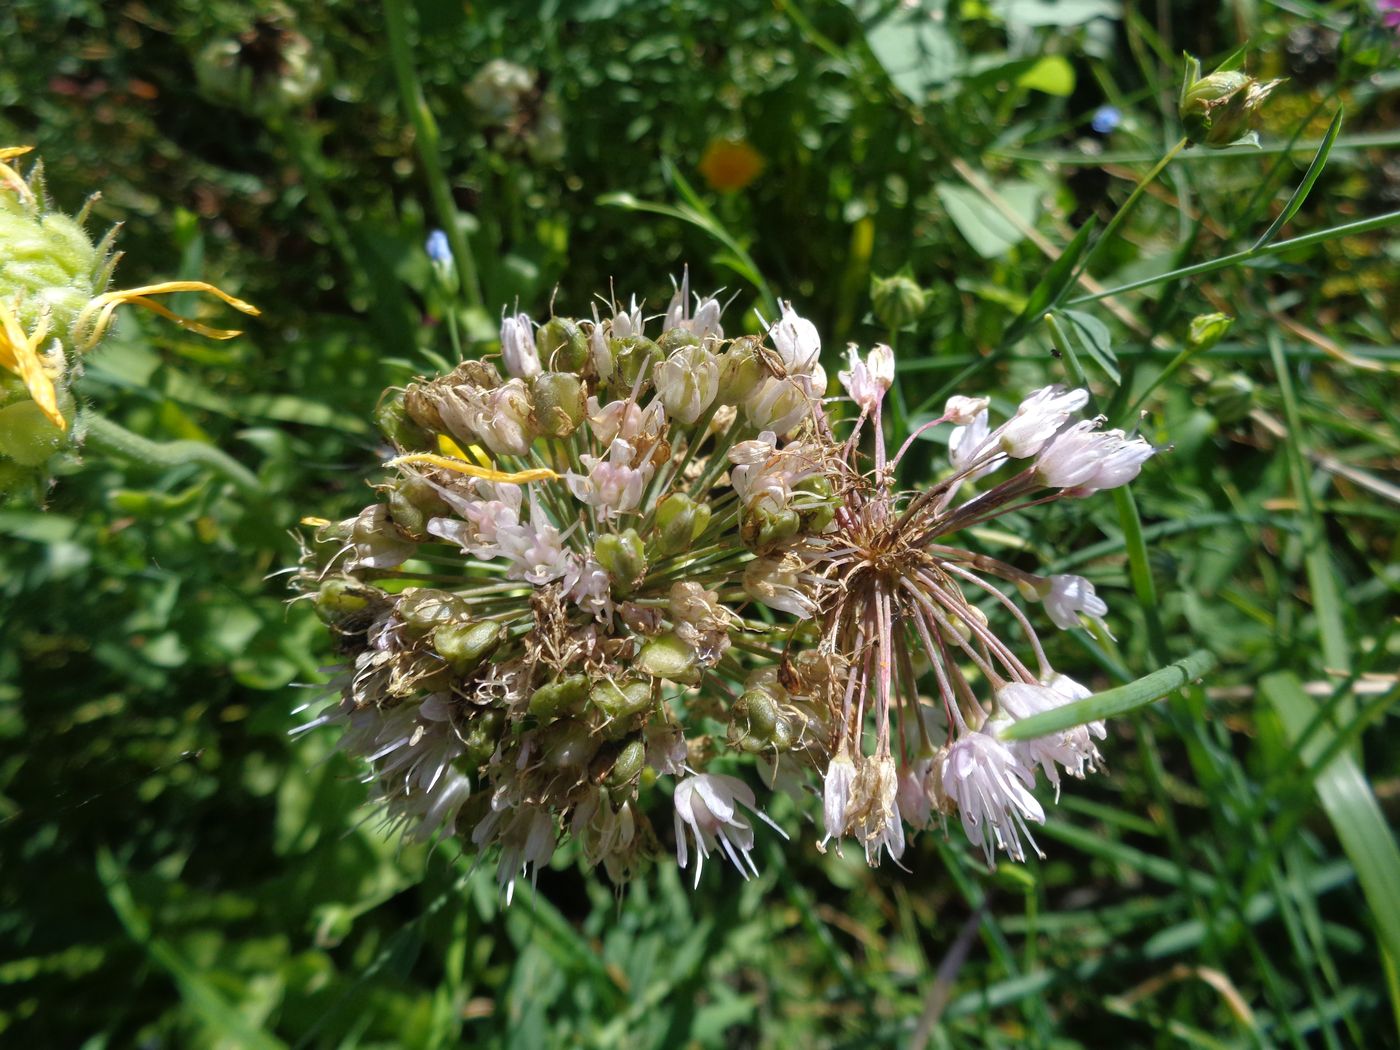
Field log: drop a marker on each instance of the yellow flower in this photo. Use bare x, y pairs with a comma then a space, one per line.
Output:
730, 164
105, 305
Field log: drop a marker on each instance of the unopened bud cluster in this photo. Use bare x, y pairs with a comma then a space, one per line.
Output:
632, 552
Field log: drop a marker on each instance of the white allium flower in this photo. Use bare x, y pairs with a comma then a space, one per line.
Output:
968, 443
592, 591
962, 411
1073, 456
779, 404
777, 584
484, 512
1067, 596
796, 340
1122, 464
500, 418
1038, 418
687, 382
867, 381
991, 787
836, 797
915, 802
536, 550
374, 542
625, 419
518, 351
1073, 749
612, 485
707, 806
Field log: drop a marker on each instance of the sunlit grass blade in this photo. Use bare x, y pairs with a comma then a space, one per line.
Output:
1051, 288
1300, 195
1351, 806
1116, 701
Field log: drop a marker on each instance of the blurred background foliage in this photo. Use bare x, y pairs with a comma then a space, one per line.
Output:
179, 871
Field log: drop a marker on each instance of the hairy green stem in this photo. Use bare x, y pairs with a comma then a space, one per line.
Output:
105, 436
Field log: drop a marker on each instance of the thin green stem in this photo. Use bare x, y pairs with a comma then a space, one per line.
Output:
428, 140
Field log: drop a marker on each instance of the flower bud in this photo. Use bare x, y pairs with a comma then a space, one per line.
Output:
1221, 109
666, 656
687, 382
561, 696
466, 645
1230, 397
559, 402
1207, 330
624, 559
898, 301
679, 523
27, 435
563, 345
621, 700
518, 352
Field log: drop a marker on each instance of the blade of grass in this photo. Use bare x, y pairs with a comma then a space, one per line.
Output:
1300, 195
1350, 805
1116, 701
1351, 229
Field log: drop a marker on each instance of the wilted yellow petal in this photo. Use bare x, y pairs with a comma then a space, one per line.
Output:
19, 353
319, 523
461, 466
107, 303
10, 152
448, 447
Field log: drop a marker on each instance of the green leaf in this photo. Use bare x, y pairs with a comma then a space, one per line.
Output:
1350, 805
1300, 195
1116, 701
990, 232
916, 52
1051, 288
1061, 13
1093, 335
1052, 74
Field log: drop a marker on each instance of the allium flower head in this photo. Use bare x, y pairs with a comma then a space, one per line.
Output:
648, 558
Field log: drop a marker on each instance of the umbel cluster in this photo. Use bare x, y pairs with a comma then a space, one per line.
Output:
632, 557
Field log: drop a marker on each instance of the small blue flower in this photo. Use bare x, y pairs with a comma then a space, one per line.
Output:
1106, 119
438, 249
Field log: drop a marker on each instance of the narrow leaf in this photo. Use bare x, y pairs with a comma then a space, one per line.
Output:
1300, 195
1052, 287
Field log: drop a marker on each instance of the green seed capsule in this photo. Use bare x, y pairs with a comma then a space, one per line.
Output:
898, 301
340, 599
624, 558
560, 403
680, 521
620, 701
562, 695
398, 426
666, 656
465, 645
674, 338
631, 355
426, 608
568, 744
629, 763
562, 345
